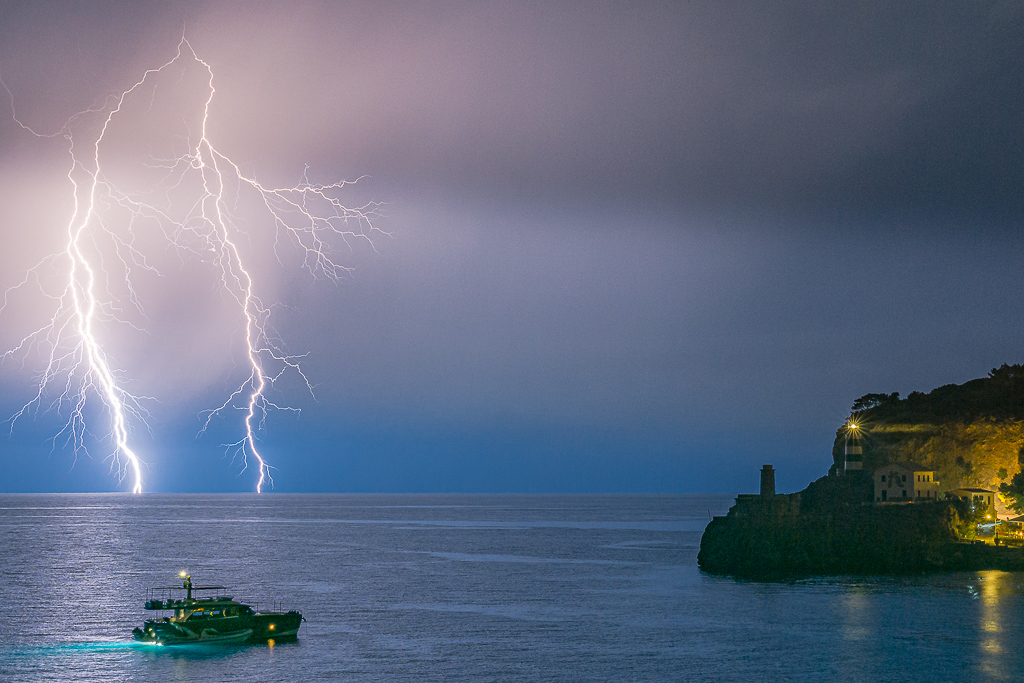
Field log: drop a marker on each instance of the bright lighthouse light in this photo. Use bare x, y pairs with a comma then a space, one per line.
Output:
191, 207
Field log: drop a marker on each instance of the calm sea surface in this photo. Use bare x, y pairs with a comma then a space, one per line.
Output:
469, 587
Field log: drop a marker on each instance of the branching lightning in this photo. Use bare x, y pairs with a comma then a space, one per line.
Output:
192, 209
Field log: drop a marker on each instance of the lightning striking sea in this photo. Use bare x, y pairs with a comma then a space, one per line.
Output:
469, 587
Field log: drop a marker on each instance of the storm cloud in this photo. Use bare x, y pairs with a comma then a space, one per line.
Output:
634, 246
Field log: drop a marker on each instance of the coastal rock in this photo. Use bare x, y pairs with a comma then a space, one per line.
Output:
827, 529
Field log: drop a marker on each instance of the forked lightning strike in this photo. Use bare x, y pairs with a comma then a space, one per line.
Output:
102, 238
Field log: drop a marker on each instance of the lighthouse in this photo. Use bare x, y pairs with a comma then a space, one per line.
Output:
853, 453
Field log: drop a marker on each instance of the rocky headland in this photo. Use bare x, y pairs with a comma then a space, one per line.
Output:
971, 435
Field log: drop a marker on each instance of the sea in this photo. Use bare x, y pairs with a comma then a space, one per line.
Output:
469, 588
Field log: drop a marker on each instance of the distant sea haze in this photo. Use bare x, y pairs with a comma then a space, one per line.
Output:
469, 587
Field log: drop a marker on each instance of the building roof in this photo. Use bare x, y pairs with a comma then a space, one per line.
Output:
909, 466
973, 490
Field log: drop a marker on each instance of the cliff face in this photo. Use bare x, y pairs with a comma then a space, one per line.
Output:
983, 453
971, 434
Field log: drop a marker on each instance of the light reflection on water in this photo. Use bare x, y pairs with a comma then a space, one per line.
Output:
66, 649
858, 616
469, 587
994, 587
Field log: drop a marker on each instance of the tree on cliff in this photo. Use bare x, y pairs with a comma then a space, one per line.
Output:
1014, 493
1007, 373
874, 400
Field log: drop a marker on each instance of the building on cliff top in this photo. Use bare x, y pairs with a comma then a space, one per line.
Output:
905, 482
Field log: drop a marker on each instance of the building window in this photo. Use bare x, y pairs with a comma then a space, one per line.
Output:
883, 477
904, 493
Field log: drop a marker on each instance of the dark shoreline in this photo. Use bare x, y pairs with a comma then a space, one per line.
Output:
826, 530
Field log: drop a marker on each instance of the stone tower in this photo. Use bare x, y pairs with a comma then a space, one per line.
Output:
767, 481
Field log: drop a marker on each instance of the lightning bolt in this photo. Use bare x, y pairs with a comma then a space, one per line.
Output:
191, 208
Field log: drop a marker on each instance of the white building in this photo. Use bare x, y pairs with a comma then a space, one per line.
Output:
978, 498
905, 482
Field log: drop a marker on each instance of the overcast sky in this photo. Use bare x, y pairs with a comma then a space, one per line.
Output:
632, 246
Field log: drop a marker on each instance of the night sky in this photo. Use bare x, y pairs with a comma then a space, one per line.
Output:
633, 246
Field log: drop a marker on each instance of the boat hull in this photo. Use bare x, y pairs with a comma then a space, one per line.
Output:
254, 628
207, 637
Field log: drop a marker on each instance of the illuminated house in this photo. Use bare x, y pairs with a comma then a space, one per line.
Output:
905, 482
979, 498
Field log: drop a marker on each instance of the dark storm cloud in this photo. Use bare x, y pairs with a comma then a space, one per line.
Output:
792, 106
796, 106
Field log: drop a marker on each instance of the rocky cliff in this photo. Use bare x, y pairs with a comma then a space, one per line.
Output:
827, 529
971, 434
